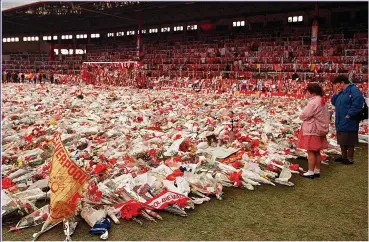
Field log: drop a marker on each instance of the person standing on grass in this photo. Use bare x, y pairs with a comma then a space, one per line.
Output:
4, 77
35, 77
8, 76
315, 127
348, 101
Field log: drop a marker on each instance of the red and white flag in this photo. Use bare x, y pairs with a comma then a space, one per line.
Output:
166, 198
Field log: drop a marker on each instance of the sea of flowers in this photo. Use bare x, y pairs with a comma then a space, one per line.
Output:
165, 149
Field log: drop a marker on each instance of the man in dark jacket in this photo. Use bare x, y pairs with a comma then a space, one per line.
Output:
349, 102
15, 77
39, 77
52, 78
8, 76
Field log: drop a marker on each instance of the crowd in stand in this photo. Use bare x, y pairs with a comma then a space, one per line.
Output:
261, 61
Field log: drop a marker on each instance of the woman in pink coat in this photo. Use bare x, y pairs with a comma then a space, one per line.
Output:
315, 127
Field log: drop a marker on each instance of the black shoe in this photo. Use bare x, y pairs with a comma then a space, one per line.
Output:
339, 159
316, 175
309, 176
301, 158
347, 162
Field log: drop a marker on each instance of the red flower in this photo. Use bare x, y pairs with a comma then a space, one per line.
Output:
237, 164
103, 157
3, 160
236, 178
126, 158
144, 170
184, 146
6, 183
100, 140
172, 177
182, 202
178, 136
113, 161
45, 216
246, 139
29, 139
86, 155
294, 167
270, 167
97, 196
152, 152
255, 143
131, 209
100, 168
28, 206
178, 159
47, 167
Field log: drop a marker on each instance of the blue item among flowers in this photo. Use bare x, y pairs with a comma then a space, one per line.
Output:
101, 227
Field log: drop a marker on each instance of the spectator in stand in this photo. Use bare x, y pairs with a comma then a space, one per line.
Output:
315, 127
348, 101
260, 84
228, 69
243, 86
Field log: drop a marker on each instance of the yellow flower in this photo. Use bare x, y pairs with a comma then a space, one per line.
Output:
20, 162
53, 122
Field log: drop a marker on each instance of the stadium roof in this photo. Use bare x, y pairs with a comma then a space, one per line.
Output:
12, 4
44, 17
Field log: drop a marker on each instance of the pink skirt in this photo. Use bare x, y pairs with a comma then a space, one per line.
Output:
311, 142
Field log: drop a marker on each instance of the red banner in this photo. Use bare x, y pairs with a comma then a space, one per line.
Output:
166, 198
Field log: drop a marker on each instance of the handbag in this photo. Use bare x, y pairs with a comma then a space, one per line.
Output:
363, 114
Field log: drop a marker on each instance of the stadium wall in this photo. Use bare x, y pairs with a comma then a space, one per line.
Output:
34, 46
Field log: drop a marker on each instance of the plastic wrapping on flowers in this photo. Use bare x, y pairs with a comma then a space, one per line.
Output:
145, 151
